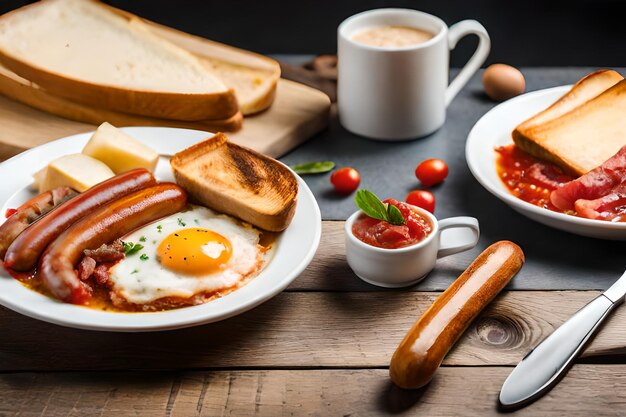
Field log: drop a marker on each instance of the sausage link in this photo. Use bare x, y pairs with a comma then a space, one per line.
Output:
423, 348
24, 252
119, 218
30, 211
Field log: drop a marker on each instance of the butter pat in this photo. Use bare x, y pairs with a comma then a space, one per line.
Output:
120, 151
76, 171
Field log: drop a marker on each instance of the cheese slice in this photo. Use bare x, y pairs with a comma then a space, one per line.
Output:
120, 151
76, 171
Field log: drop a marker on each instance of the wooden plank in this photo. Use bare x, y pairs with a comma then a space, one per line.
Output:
305, 330
598, 390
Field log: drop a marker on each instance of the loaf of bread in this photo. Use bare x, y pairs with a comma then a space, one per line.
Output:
84, 51
25, 92
578, 134
238, 181
253, 77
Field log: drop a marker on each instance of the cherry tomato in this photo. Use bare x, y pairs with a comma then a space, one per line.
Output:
431, 172
345, 180
10, 212
422, 198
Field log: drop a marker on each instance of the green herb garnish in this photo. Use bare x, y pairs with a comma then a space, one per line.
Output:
181, 222
373, 207
313, 167
142, 239
131, 248
144, 257
159, 228
135, 271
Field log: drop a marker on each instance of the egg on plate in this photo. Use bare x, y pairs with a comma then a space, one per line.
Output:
187, 258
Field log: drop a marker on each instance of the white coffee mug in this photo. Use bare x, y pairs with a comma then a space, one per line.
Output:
401, 93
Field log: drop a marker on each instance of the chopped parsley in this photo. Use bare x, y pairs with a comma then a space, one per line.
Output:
159, 228
197, 221
144, 257
131, 248
135, 271
142, 239
181, 222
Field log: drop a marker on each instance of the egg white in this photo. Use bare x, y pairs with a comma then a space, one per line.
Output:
142, 279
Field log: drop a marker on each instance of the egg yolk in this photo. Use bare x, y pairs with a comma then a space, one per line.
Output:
194, 251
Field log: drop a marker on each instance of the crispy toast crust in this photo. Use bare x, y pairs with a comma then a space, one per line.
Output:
586, 88
552, 140
238, 181
167, 105
23, 91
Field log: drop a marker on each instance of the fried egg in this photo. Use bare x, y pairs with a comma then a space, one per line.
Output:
188, 253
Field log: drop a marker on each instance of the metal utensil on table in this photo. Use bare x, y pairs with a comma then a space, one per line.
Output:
543, 366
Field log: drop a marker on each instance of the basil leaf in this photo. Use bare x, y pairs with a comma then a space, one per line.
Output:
371, 205
131, 248
395, 216
313, 167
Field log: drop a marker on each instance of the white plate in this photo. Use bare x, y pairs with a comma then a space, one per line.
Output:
295, 247
494, 129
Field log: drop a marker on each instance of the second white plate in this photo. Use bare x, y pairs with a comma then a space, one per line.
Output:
494, 129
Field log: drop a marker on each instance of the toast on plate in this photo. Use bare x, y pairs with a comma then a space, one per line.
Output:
25, 92
98, 57
583, 138
238, 181
584, 90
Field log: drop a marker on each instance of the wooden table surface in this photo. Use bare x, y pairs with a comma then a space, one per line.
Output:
323, 346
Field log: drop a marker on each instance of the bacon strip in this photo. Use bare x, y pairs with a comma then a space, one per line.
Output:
595, 184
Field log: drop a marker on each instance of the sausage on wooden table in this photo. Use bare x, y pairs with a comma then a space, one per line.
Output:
426, 344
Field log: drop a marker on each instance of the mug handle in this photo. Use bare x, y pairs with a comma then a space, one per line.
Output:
455, 33
449, 248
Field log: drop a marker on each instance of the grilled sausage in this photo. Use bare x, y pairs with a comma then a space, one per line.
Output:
24, 252
30, 211
119, 218
423, 348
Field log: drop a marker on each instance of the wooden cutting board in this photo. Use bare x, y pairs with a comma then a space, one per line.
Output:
297, 114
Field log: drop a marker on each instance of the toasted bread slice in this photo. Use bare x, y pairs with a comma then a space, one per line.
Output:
25, 92
583, 138
84, 51
238, 181
584, 90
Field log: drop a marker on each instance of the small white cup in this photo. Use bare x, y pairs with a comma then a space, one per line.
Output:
393, 268
401, 93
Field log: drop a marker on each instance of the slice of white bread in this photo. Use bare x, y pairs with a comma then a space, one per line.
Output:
25, 92
85, 51
252, 76
238, 181
585, 89
583, 138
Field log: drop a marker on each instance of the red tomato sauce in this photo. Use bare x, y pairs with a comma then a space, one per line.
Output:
513, 166
381, 234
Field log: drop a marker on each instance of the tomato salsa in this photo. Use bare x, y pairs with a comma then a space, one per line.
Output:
527, 178
381, 234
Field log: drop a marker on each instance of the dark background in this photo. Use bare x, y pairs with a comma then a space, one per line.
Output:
524, 33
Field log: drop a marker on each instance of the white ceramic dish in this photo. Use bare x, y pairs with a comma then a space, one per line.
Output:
295, 247
395, 268
494, 129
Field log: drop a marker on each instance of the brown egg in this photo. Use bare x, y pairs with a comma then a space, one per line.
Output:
501, 82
